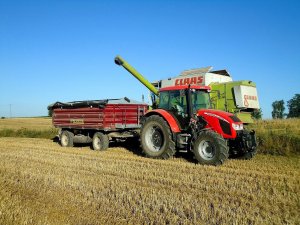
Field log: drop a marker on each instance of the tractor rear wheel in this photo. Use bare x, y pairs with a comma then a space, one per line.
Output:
100, 141
210, 148
66, 139
156, 138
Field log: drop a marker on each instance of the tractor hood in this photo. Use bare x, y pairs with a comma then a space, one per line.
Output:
218, 113
224, 123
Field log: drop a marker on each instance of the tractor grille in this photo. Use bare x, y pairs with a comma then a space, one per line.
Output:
225, 127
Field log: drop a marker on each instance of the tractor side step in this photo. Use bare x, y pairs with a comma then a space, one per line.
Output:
183, 139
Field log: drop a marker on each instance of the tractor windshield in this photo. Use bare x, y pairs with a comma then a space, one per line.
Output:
200, 100
176, 100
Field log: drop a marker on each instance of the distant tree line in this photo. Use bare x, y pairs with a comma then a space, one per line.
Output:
257, 114
293, 107
50, 112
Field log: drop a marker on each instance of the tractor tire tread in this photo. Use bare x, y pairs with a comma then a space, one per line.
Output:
170, 148
223, 153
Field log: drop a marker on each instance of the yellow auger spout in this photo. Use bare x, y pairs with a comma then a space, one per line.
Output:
121, 62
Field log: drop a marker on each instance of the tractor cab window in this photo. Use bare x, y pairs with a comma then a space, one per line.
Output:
200, 100
173, 101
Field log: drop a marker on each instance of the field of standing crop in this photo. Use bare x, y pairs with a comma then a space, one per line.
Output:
43, 183
40, 123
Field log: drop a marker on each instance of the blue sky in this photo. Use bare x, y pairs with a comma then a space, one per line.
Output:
63, 50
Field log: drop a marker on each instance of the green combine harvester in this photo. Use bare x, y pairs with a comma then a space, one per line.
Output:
238, 97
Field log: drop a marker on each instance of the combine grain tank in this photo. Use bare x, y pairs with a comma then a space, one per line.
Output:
98, 121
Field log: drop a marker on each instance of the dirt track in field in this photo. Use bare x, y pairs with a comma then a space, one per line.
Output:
43, 183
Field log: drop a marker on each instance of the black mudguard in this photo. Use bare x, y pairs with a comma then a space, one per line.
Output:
243, 143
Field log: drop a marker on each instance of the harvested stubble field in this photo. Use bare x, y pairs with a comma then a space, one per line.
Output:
43, 183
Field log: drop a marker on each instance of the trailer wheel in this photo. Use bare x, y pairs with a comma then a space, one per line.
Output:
100, 141
66, 139
210, 148
156, 138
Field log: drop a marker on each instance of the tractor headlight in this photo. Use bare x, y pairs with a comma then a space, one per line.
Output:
238, 126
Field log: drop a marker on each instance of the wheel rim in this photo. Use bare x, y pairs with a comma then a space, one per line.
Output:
64, 140
206, 150
97, 143
154, 138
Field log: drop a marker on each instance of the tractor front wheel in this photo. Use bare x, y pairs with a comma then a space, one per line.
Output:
210, 148
156, 138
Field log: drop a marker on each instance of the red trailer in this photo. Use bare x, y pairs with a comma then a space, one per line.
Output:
97, 121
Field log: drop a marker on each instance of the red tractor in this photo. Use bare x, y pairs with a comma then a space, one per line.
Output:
183, 120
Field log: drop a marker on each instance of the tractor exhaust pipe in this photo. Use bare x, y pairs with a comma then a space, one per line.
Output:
121, 62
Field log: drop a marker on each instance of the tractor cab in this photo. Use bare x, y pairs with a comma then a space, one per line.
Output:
183, 102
